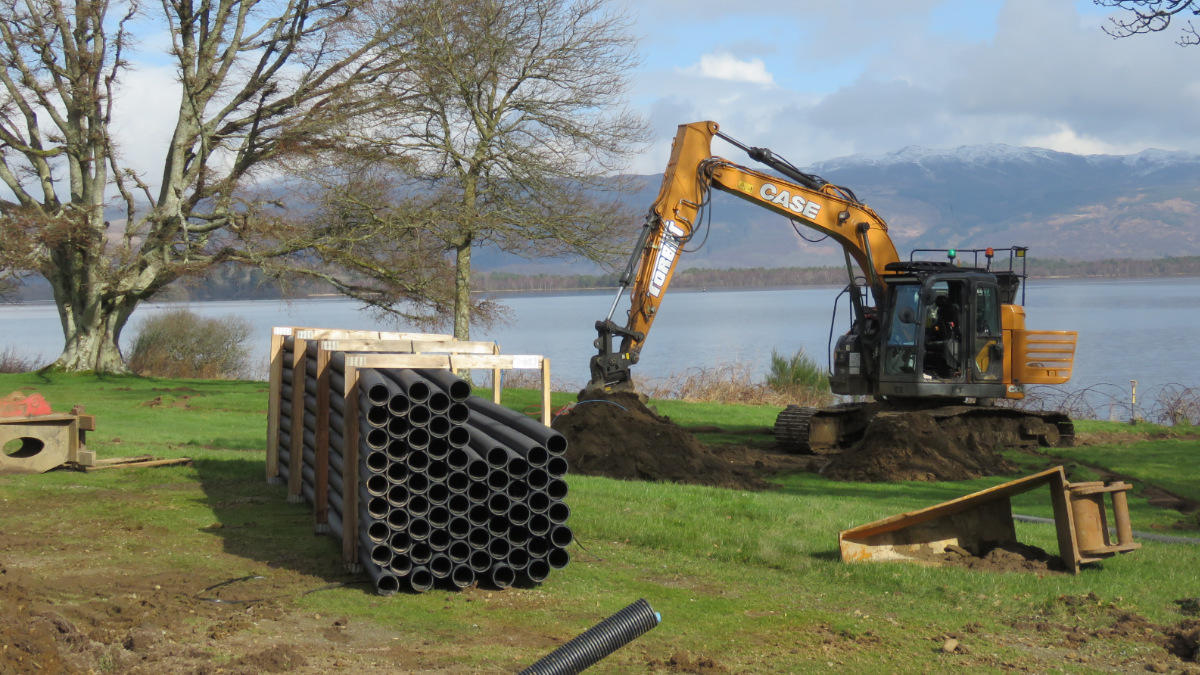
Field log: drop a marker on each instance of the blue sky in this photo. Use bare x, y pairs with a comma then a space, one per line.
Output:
815, 79
819, 79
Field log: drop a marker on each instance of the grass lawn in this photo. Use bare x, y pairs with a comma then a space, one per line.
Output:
745, 581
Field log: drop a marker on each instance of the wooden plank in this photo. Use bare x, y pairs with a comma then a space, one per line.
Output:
398, 361
546, 392
123, 460
402, 346
156, 462
307, 333
274, 388
350, 468
321, 452
496, 383
36, 419
296, 450
453, 347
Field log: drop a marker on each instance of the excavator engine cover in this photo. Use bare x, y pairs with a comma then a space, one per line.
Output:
851, 364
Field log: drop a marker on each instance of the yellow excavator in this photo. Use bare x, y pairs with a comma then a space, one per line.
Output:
939, 336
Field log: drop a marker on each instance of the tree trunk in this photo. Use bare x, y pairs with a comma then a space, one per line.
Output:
462, 291
92, 328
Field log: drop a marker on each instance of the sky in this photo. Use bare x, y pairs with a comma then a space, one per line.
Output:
818, 79
814, 79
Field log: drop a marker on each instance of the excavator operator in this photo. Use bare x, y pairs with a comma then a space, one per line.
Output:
942, 338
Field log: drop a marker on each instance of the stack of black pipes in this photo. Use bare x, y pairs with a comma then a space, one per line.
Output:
453, 489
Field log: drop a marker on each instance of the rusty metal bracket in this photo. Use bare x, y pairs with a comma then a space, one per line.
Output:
984, 519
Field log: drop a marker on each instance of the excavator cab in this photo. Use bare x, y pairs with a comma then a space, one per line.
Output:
943, 335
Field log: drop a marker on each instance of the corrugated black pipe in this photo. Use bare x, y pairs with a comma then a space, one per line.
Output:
597, 642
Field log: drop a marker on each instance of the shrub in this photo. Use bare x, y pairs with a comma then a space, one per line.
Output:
13, 362
797, 375
730, 383
179, 343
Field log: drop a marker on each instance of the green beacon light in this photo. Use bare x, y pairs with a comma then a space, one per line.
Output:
951, 254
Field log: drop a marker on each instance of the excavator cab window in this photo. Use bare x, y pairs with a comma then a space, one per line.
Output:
943, 331
987, 360
900, 352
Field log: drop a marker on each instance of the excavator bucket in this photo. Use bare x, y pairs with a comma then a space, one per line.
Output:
983, 520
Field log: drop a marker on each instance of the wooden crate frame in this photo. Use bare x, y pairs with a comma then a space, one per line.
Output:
365, 349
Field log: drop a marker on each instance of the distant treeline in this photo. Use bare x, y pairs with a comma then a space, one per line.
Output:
237, 282
786, 277
742, 277
1186, 266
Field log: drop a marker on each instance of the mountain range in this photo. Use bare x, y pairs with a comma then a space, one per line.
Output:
1060, 205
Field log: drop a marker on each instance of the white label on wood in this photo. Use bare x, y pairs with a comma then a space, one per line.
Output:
329, 345
532, 361
356, 361
305, 334
281, 330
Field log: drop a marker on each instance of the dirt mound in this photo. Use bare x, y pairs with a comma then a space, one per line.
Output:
919, 446
616, 435
1014, 557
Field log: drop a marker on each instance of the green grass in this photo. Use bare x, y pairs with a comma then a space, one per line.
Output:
751, 580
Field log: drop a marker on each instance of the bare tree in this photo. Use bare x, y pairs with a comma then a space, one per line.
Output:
510, 124
1150, 16
258, 78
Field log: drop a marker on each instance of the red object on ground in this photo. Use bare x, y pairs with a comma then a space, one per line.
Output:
15, 405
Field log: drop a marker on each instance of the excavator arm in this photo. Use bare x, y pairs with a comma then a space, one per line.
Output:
691, 173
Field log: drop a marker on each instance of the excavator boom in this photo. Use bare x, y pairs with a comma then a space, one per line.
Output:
691, 173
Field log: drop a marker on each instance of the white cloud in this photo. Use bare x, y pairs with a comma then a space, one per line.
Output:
144, 113
726, 66
1067, 140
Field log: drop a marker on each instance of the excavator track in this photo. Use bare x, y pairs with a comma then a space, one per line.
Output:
807, 430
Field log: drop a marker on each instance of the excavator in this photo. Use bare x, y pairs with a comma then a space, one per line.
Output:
937, 336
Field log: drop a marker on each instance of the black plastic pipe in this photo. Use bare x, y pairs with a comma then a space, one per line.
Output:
438, 402
537, 570
496, 434
419, 579
462, 576
376, 389
455, 387
502, 576
386, 583
597, 642
480, 561
541, 434
416, 387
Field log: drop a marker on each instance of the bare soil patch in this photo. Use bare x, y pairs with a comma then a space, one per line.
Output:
618, 436
1013, 557
915, 446
1089, 618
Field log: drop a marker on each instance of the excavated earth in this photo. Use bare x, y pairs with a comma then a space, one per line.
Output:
618, 436
916, 446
